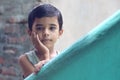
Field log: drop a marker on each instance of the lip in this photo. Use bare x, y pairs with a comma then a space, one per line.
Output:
46, 40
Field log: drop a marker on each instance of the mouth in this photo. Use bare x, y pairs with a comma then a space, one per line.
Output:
46, 40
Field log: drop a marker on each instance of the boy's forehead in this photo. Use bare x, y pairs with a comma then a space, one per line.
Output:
47, 19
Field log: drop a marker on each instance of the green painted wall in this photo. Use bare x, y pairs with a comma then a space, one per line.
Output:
96, 56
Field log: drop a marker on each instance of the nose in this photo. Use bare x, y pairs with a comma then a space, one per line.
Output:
46, 32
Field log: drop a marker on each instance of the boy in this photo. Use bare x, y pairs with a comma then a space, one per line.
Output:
45, 27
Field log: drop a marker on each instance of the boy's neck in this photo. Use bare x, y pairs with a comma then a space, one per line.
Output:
53, 53
51, 50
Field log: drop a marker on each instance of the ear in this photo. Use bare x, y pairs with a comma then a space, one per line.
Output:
29, 32
61, 32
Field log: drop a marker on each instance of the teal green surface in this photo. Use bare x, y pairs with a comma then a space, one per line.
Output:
96, 56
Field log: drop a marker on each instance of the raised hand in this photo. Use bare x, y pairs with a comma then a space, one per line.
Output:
40, 47
39, 65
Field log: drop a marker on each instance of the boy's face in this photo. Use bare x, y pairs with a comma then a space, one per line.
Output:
47, 29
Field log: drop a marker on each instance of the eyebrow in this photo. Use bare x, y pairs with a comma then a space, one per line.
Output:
38, 25
53, 24
42, 25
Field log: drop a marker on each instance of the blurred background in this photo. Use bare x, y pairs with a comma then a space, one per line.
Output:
80, 16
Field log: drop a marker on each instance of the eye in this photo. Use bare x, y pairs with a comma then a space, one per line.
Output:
52, 28
39, 28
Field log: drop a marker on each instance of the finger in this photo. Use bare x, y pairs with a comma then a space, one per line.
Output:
36, 70
37, 37
46, 61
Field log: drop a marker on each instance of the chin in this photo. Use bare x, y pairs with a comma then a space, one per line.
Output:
48, 46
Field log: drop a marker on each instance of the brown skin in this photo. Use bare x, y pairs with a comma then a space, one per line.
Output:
44, 34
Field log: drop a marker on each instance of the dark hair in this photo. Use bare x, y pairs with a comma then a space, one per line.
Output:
45, 10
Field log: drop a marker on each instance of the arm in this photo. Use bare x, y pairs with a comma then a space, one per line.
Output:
29, 68
40, 47
26, 66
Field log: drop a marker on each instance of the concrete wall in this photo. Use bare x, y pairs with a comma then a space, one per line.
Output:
80, 16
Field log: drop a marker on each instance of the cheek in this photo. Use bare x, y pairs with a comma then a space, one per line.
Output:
56, 36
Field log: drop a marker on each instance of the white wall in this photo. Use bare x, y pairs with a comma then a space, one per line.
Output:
81, 16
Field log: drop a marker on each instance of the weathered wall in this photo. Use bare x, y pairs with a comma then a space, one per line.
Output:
80, 16
13, 36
